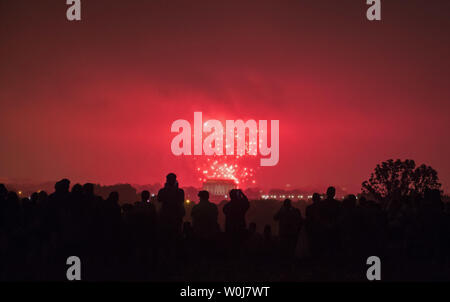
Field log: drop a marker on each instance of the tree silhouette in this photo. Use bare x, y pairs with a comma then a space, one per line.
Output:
396, 179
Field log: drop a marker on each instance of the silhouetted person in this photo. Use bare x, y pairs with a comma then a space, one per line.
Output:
57, 202
30, 211
112, 214
142, 232
38, 234
289, 221
145, 213
204, 217
145, 196
313, 211
3, 191
329, 213
149, 214
172, 208
349, 226
235, 211
330, 208
77, 224
313, 226
12, 212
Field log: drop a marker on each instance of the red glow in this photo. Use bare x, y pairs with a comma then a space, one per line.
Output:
94, 101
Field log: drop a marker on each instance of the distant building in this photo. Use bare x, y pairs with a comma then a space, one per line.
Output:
218, 187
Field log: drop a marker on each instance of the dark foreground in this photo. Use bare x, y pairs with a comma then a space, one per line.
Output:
330, 242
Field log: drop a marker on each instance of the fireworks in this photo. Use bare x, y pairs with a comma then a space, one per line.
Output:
227, 152
235, 166
225, 167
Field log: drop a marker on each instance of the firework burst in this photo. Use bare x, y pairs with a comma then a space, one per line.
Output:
226, 167
236, 165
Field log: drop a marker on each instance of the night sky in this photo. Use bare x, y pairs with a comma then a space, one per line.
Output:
94, 100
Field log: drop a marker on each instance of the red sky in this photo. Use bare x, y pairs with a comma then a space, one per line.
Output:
94, 100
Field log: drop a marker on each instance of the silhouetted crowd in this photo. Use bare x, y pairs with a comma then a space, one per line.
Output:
145, 241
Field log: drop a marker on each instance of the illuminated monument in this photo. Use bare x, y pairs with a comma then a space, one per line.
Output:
219, 187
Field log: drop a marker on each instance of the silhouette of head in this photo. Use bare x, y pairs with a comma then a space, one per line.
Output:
34, 197
42, 196
62, 186
171, 179
3, 190
145, 196
203, 195
287, 203
12, 197
331, 192
113, 197
234, 194
88, 189
316, 197
77, 189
